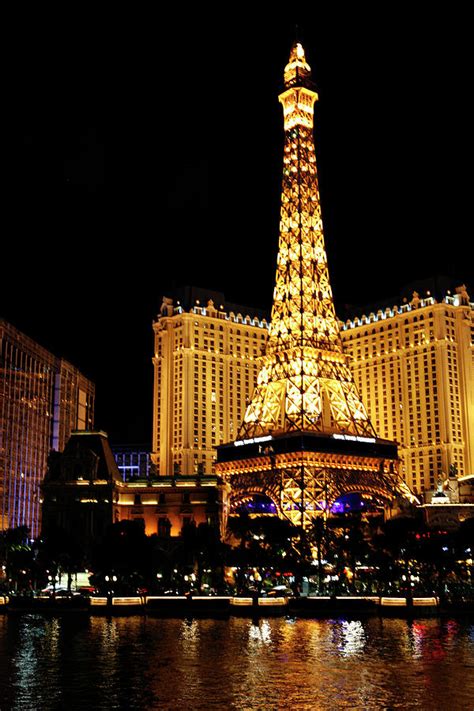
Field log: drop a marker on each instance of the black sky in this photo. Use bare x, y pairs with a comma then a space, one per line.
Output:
145, 153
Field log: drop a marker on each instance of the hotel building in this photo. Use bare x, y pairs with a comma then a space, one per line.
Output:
414, 367
205, 369
42, 399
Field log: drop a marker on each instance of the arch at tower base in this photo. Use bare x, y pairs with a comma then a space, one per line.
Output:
304, 473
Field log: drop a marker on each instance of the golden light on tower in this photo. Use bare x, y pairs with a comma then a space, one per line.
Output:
306, 437
305, 382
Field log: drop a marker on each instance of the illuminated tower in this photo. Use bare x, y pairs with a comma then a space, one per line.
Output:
306, 437
305, 383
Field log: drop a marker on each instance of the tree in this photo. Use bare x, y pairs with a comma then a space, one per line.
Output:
17, 558
398, 547
60, 553
264, 547
201, 554
319, 536
124, 553
349, 547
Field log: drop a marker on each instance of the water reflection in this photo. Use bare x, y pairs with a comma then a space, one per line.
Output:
148, 663
353, 638
260, 633
36, 639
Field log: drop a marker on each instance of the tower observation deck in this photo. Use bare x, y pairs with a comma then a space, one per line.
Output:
306, 438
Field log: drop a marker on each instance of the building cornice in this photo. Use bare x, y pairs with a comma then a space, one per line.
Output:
413, 307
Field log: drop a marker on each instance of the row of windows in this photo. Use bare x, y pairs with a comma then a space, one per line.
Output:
185, 498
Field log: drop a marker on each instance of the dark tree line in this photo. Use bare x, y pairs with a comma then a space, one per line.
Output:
346, 554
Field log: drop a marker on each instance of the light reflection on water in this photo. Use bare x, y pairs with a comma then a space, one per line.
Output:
80, 662
353, 637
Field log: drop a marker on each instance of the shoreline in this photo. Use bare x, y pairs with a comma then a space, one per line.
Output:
226, 606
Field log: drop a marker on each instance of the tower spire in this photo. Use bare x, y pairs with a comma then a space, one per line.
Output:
297, 71
305, 383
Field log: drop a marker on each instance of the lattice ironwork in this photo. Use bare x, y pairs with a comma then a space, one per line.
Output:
305, 386
304, 485
304, 382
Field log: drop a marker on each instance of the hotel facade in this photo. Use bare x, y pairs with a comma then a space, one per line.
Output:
413, 365
42, 399
205, 368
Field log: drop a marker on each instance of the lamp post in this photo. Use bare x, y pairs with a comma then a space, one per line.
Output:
110, 579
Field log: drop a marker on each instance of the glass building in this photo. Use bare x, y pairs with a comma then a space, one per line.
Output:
43, 398
133, 462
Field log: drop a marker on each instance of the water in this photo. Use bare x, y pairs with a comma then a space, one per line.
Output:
81, 662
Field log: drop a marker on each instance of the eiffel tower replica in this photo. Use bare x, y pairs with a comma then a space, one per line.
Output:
306, 438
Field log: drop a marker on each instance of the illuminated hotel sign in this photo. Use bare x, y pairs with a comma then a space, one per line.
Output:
252, 440
354, 438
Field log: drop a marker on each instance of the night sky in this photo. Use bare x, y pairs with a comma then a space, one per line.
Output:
144, 154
